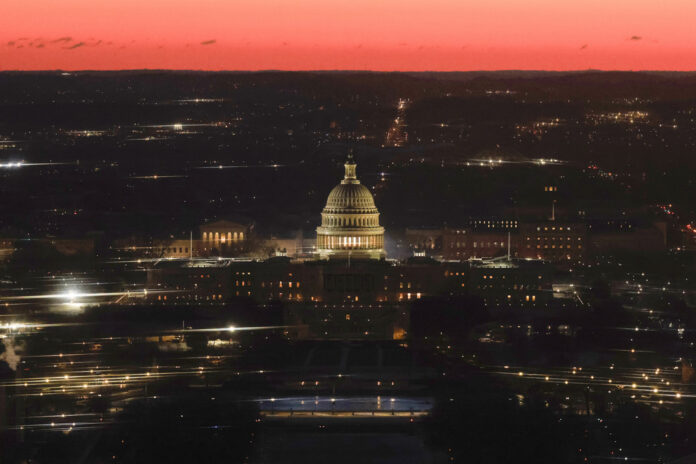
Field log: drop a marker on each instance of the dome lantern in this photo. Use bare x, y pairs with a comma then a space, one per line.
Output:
350, 170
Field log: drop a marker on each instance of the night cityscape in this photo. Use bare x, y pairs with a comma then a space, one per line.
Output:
314, 260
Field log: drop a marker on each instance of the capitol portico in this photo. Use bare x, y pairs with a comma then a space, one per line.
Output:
350, 221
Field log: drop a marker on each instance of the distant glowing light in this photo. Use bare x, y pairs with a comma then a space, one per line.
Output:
70, 296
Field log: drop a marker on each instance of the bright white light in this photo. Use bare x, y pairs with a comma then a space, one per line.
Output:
13, 326
70, 296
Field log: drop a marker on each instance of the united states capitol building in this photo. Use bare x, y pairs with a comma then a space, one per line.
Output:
350, 221
348, 277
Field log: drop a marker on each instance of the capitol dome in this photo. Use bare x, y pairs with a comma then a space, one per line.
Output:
350, 221
350, 196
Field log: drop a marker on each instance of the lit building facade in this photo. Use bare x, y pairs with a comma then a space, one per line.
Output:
224, 238
465, 243
368, 299
350, 221
363, 284
218, 238
554, 241
424, 241
519, 283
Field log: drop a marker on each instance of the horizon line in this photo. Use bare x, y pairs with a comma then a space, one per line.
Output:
264, 70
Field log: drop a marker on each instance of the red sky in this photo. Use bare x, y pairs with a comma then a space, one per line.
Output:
348, 34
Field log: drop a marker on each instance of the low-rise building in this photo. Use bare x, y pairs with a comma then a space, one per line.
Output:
466, 243
360, 282
553, 241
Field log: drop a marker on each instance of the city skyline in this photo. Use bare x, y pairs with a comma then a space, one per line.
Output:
347, 231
